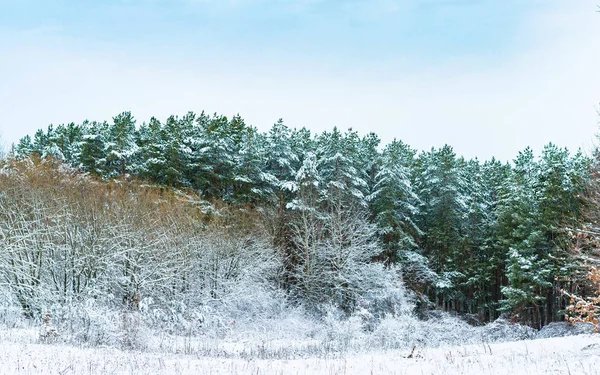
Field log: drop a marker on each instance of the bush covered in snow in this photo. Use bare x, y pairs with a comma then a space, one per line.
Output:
563, 329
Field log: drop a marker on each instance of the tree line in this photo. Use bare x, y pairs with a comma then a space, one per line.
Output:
470, 236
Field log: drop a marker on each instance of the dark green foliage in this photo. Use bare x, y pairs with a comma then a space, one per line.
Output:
120, 145
471, 237
93, 147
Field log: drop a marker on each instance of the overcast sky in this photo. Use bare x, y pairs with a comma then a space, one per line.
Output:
488, 77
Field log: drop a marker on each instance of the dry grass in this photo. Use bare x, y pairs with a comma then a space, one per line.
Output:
572, 355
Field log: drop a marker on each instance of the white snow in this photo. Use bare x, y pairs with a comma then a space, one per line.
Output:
567, 355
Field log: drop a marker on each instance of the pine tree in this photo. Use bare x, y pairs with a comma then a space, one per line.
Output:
527, 268
442, 213
24, 148
120, 145
68, 140
41, 141
302, 142
341, 171
152, 165
253, 184
560, 208
281, 162
369, 161
175, 141
221, 144
485, 272
93, 147
200, 166
394, 202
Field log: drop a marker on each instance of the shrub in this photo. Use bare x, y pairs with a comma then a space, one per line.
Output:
587, 310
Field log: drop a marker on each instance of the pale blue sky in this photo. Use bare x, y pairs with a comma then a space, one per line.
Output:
337, 33
486, 76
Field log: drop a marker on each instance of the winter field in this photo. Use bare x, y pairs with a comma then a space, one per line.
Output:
20, 354
114, 277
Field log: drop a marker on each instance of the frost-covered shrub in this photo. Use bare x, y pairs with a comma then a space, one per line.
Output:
293, 323
229, 288
401, 331
11, 315
174, 317
502, 330
341, 333
88, 323
448, 329
386, 293
93, 323
132, 334
562, 329
441, 329
397, 332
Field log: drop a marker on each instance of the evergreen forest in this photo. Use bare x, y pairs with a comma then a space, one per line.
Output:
189, 206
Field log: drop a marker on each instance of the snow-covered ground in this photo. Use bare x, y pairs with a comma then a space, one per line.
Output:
567, 355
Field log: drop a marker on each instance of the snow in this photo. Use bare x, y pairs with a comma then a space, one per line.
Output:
566, 355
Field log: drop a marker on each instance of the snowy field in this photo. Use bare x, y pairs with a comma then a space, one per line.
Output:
566, 355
